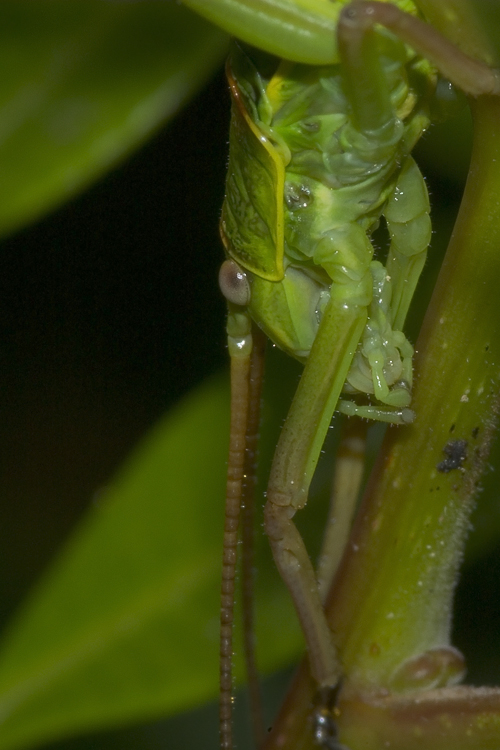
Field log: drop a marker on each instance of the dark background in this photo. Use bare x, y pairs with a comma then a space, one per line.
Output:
109, 312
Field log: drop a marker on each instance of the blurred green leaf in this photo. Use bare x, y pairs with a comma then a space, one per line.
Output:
85, 82
473, 25
300, 30
125, 625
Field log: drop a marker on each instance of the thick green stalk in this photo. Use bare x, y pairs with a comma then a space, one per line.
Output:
413, 524
393, 596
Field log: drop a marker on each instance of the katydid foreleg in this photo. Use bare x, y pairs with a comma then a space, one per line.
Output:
240, 378
408, 222
256, 376
246, 347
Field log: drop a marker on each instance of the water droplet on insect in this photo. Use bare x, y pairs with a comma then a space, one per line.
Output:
297, 196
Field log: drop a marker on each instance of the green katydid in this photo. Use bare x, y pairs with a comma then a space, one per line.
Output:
318, 155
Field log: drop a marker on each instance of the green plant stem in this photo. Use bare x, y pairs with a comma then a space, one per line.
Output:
393, 595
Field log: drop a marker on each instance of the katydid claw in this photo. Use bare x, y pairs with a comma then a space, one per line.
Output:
325, 731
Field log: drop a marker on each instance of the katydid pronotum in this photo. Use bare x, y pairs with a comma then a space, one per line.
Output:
318, 155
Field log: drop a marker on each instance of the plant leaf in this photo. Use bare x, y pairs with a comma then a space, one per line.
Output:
124, 626
85, 82
300, 30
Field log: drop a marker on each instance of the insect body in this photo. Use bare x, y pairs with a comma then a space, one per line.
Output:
305, 189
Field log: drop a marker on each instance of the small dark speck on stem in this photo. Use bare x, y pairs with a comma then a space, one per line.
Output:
456, 453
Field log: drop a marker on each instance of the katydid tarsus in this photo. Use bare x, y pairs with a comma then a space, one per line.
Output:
318, 156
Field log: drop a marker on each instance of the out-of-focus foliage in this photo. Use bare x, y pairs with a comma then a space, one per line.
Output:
83, 83
125, 624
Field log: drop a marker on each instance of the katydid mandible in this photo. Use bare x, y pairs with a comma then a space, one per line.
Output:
318, 156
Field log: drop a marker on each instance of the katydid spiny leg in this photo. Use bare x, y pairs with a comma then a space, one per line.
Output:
240, 372
246, 346
256, 375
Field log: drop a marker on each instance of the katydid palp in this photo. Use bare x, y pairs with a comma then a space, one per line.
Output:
318, 156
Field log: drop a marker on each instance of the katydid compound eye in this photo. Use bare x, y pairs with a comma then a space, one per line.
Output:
234, 284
